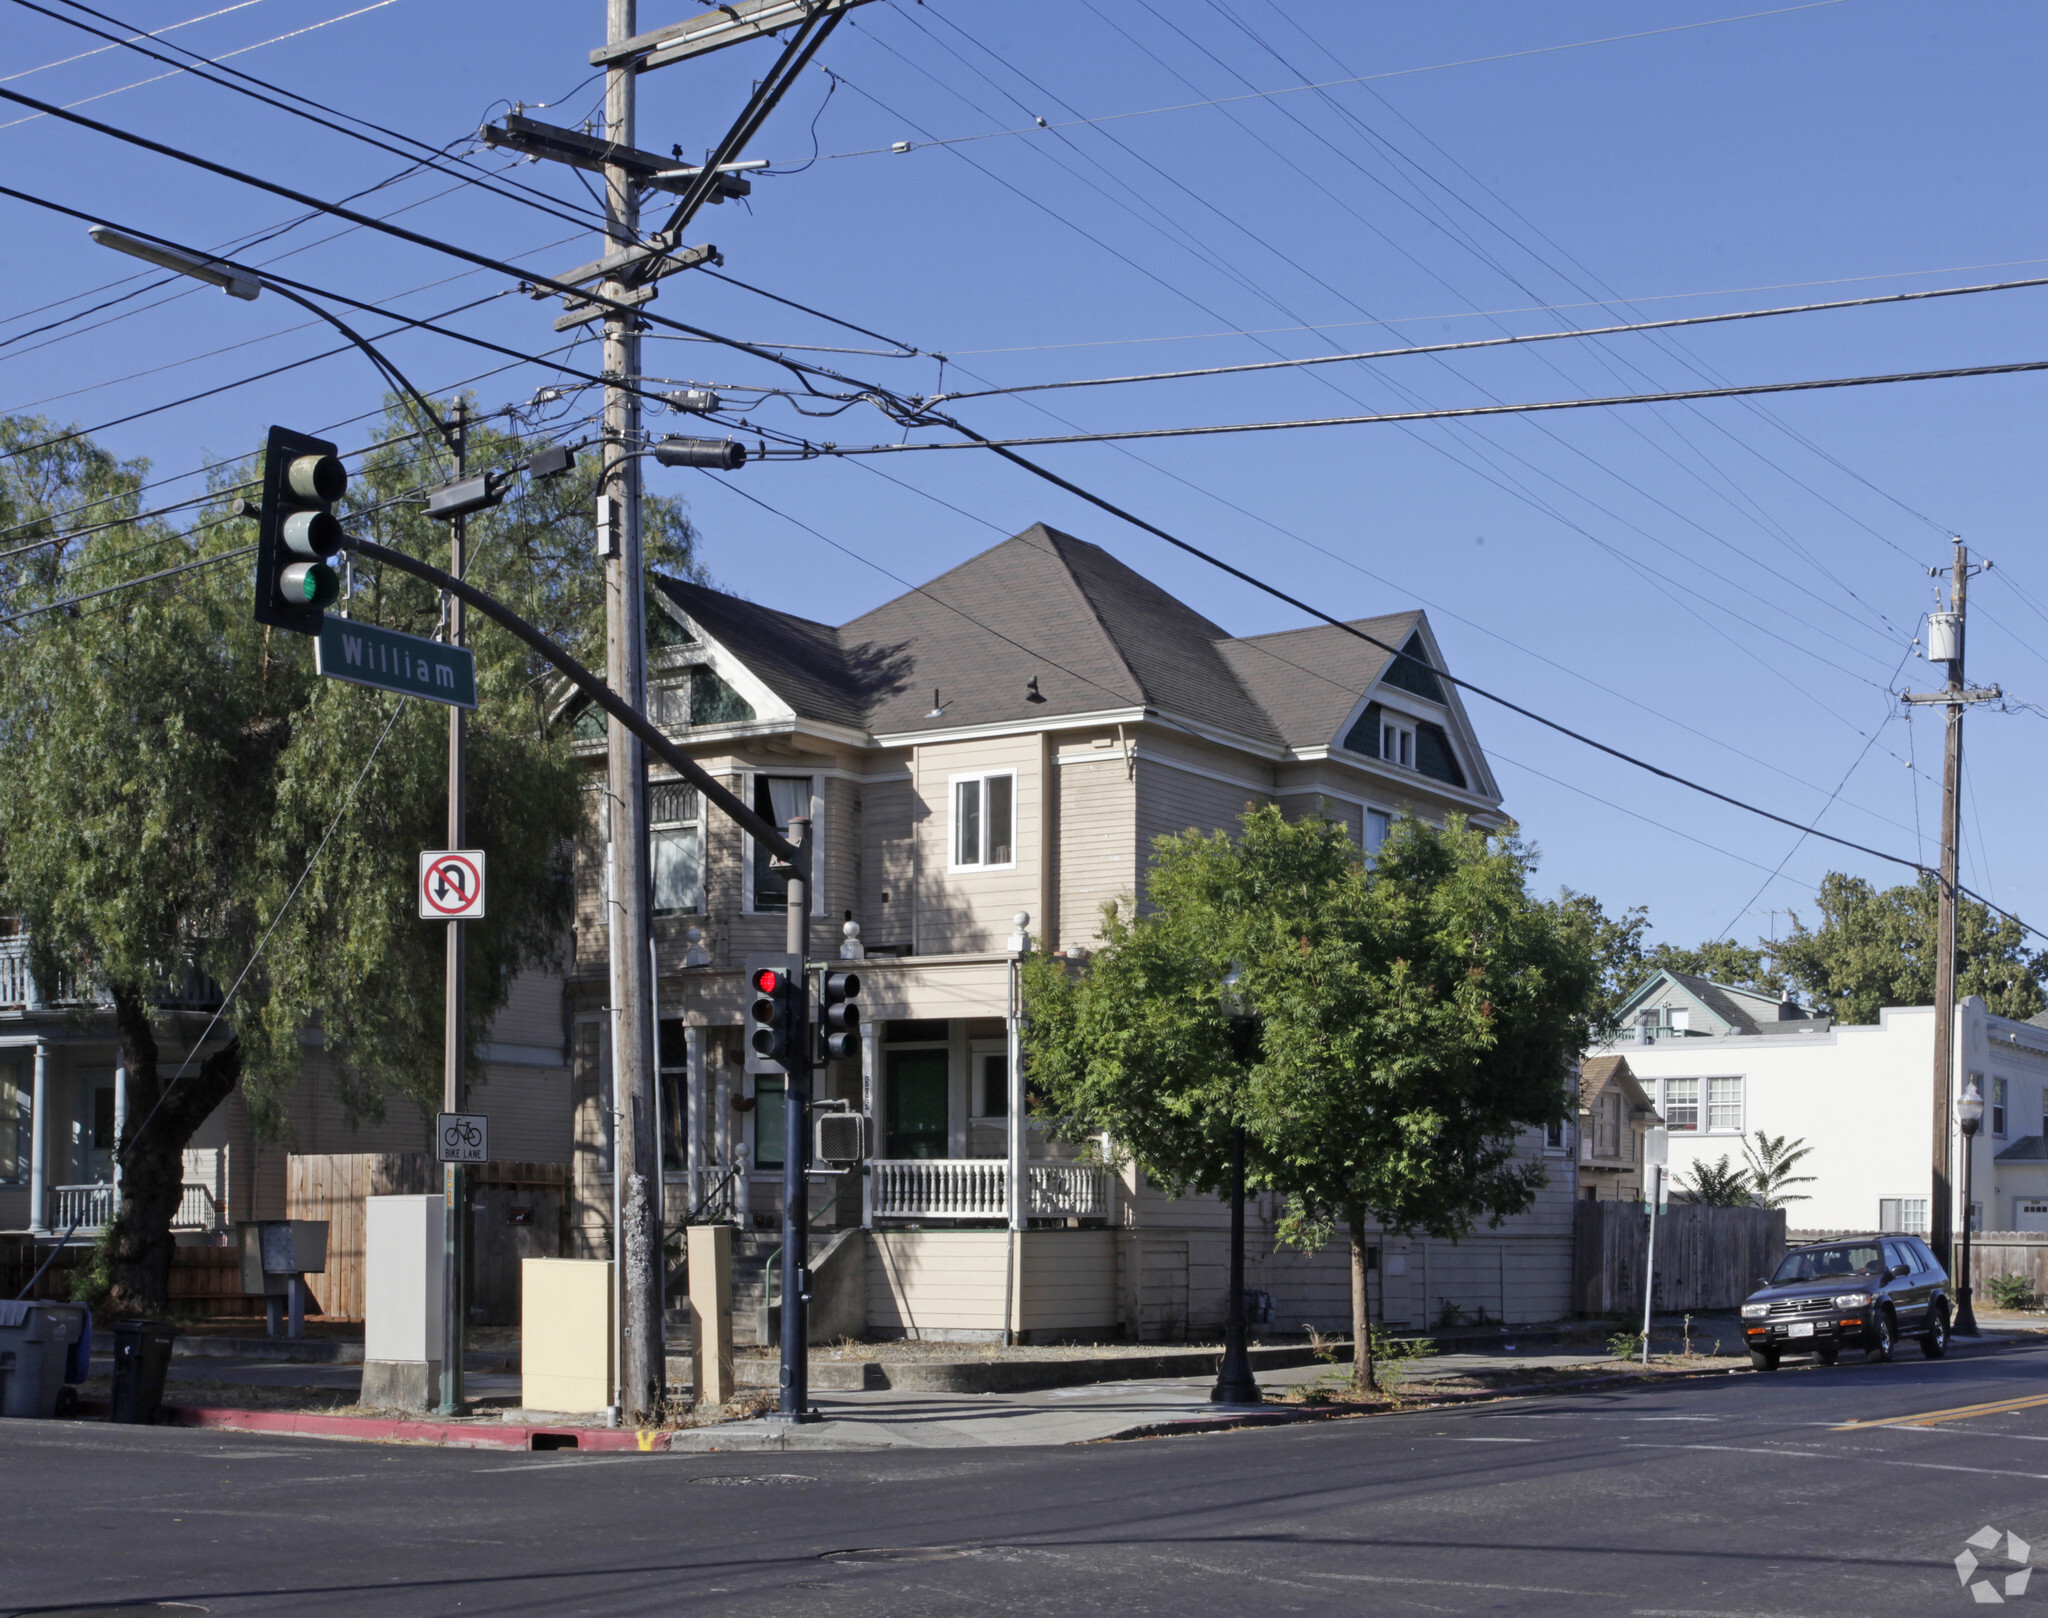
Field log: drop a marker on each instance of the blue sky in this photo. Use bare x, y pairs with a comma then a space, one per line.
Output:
1729, 588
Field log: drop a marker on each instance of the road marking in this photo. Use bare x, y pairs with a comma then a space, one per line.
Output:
1997, 1407
1448, 1439
1453, 1584
1733, 1449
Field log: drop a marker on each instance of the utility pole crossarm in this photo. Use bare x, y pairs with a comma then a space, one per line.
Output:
532, 138
591, 686
1945, 699
713, 31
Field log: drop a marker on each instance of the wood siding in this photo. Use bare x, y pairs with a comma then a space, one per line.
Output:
967, 910
1098, 841
938, 1284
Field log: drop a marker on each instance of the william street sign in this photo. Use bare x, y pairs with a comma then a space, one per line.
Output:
391, 660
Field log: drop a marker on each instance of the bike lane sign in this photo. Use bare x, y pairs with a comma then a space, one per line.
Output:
452, 884
462, 1137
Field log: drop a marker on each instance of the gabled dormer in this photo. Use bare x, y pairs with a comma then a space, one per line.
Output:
1681, 1005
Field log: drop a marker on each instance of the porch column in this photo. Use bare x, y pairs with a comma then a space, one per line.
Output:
120, 1121
38, 1144
697, 1108
1013, 1030
869, 1061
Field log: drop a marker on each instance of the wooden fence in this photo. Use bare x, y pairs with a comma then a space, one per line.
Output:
2007, 1252
520, 1210
1707, 1258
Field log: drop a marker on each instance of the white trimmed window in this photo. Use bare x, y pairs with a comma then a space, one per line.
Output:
1681, 1106
1724, 1106
984, 821
1397, 741
675, 848
1999, 1090
1904, 1214
779, 799
1377, 824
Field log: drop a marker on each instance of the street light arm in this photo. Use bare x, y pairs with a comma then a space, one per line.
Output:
591, 686
384, 365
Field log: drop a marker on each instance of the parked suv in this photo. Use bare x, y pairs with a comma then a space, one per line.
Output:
1853, 1292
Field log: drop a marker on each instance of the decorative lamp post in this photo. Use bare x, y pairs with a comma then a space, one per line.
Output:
1235, 1384
1970, 1112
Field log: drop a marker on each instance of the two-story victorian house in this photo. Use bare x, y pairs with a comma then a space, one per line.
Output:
986, 760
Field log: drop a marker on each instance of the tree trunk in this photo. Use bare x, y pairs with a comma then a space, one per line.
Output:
1362, 1378
152, 1148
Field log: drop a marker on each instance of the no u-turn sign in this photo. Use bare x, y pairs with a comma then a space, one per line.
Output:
452, 884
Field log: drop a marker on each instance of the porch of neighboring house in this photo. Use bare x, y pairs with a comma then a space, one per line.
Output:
63, 1102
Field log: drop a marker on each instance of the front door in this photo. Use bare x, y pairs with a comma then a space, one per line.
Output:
916, 1114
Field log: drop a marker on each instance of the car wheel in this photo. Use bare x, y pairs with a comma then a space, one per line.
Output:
1827, 1356
1935, 1343
1884, 1339
1763, 1359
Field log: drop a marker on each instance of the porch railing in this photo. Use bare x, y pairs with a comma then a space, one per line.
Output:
91, 1207
940, 1188
1066, 1190
978, 1188
17, 985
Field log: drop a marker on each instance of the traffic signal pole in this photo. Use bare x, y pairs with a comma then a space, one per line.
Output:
637, 1160
456, 1220
794, 1403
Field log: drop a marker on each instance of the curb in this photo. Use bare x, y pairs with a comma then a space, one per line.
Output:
404, 1430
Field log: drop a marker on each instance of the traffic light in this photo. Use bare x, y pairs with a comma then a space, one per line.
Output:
840, 1015
296, 531
775, 987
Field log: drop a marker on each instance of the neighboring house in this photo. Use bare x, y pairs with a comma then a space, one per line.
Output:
1615, 1112
986, 760
1677, 1005
1861, 1097
63, 1099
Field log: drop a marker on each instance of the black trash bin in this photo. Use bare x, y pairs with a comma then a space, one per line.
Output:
142, 1355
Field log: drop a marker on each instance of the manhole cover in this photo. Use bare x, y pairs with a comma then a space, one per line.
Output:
905, 1553
740, 1480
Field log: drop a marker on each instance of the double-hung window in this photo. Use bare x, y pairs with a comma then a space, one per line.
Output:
675, 848
1377, 824
1681, 1107
780, 799
1397, 742
1998, 1099
1724, 1106
984, 821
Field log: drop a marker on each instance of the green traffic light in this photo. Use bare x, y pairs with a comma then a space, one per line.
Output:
309, 584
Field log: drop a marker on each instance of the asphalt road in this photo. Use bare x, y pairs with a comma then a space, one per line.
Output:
1739, 1495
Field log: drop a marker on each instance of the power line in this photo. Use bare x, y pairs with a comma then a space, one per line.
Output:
529, 196
2006, 369
128, 584
1042, 127
1488, 342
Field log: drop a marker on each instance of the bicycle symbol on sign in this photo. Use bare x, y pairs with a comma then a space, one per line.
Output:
462, 1138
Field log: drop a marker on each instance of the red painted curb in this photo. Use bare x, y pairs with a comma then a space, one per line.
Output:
398, 1430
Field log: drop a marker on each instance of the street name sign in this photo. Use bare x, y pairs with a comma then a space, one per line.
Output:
452, 884
462, 1137
391, 660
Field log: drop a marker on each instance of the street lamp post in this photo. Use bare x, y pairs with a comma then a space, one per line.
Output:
1235, 1384
1970, 1113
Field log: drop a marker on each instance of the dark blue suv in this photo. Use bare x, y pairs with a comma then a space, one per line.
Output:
1862, 1292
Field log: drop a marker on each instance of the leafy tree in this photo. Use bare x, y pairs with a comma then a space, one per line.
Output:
1720, 960
1413, 1019
1875, 948
170, 772
1772, 1158
1718, 1185
1624, 960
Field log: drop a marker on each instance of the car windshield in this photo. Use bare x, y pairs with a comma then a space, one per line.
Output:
1813, 1263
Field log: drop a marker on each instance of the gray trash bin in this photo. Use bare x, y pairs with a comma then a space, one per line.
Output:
142, 1354
35, 1347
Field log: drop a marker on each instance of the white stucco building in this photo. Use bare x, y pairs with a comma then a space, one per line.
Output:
1860, 1096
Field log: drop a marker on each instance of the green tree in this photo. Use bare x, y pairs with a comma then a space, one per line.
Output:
1413, 1017
1874, 948
169, 769
1772, 1158
1718, 1185
1720, 960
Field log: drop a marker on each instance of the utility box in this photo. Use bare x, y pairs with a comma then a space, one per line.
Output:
403, 1303
566, 1334
710, 1267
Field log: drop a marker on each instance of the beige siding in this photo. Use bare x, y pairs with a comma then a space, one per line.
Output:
1098, 841
1176, 800
1067, 1282
888, 891
968, 910
938, 1283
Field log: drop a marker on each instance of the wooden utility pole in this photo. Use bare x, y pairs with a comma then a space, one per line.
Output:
636, 1161
1945, 644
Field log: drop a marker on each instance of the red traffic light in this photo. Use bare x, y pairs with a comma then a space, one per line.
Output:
769, 981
